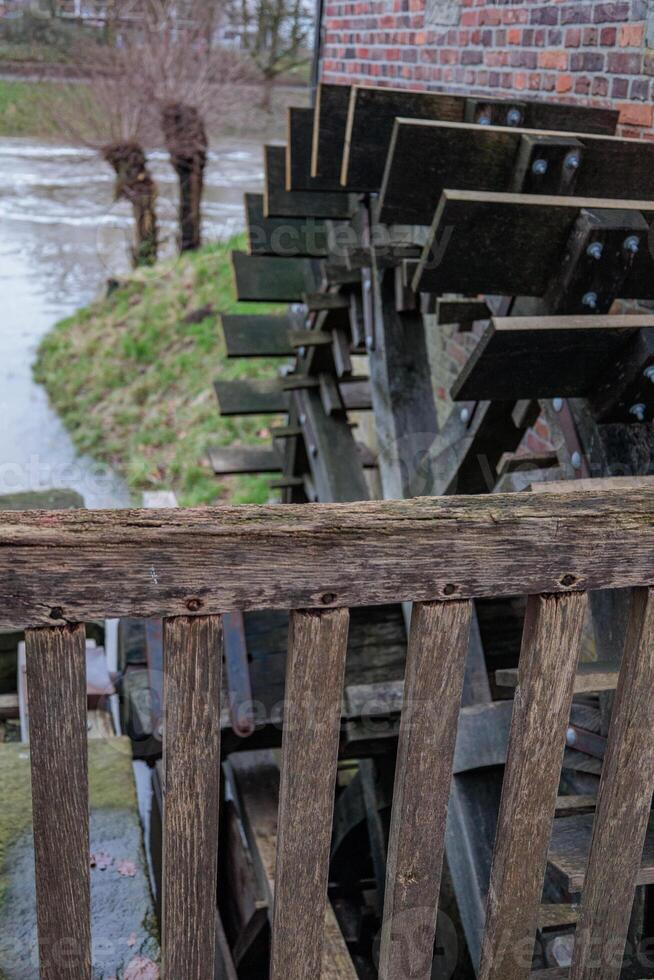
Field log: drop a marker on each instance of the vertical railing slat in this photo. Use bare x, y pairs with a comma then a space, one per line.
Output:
313, 698
541, 712
192, 672
56, 685
623, 806
436, 657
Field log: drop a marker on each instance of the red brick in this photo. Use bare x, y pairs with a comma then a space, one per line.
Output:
564, 83
514, 35
632, 35
621, 63
608, 37
557, 60
572, 37
635, 115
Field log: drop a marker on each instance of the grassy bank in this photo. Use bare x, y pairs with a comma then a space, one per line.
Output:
22, 108
29, 108
131, 377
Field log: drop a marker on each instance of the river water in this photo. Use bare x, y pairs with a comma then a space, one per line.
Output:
61, 237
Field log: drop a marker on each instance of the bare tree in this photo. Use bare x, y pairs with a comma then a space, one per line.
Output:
109, 111
275, 34
190, 79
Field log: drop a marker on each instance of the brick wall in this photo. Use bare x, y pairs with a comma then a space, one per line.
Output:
583, 51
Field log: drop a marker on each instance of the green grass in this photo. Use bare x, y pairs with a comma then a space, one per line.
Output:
133, 382
24, 108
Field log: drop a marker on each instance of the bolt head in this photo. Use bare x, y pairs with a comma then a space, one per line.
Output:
638, 411
572, 161
514, 117
595, 250
539, 167
484, 120
303, 419
575, 459
649, 372
464, 415
557, 404
313, 450
589, 300
632, 244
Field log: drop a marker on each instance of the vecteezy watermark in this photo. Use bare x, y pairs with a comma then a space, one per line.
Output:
409, 940
38, 474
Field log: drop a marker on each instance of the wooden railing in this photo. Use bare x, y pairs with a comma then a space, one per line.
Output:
63, 569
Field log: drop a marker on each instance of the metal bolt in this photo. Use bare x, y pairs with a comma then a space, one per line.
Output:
632, 244
575, 459
367, 285
595, 250
514, 117
572, 160
303, 419
301, 351
638, 411
464, 415
649, 372
590, 300
484, 120
313, 450
539, 167
557, 404
369, 343
570, 736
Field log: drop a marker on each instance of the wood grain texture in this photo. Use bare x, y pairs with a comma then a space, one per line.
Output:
545, 357
80, 566
471, 157
511, 244
329, 124
256, 778
312, 716
299, 148
280, 203
257, 336
548, 661
192, 679
56, 680
438, 645
273, 278
623, 807
285, 237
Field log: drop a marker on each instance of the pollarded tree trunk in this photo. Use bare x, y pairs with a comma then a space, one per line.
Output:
135, 183
187, 143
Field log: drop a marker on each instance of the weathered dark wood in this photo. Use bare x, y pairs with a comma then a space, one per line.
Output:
623, 807
627, 382
545, 357
257, 396
435, 668
280, 203
462, 311
255, 777
511, 244
329, 125
217, 559
403, 396
314, 691
334, 458
441, 155
192, 679
372, 113
226, 460
286, 237
548, 661
257, 335
56, 679
570, 849
299, 150
273, 279
271, 396
591, 676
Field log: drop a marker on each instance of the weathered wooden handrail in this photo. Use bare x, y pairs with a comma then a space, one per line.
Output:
65, 568
75, 566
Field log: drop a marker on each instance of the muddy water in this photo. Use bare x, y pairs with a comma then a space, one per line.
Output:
61, 237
